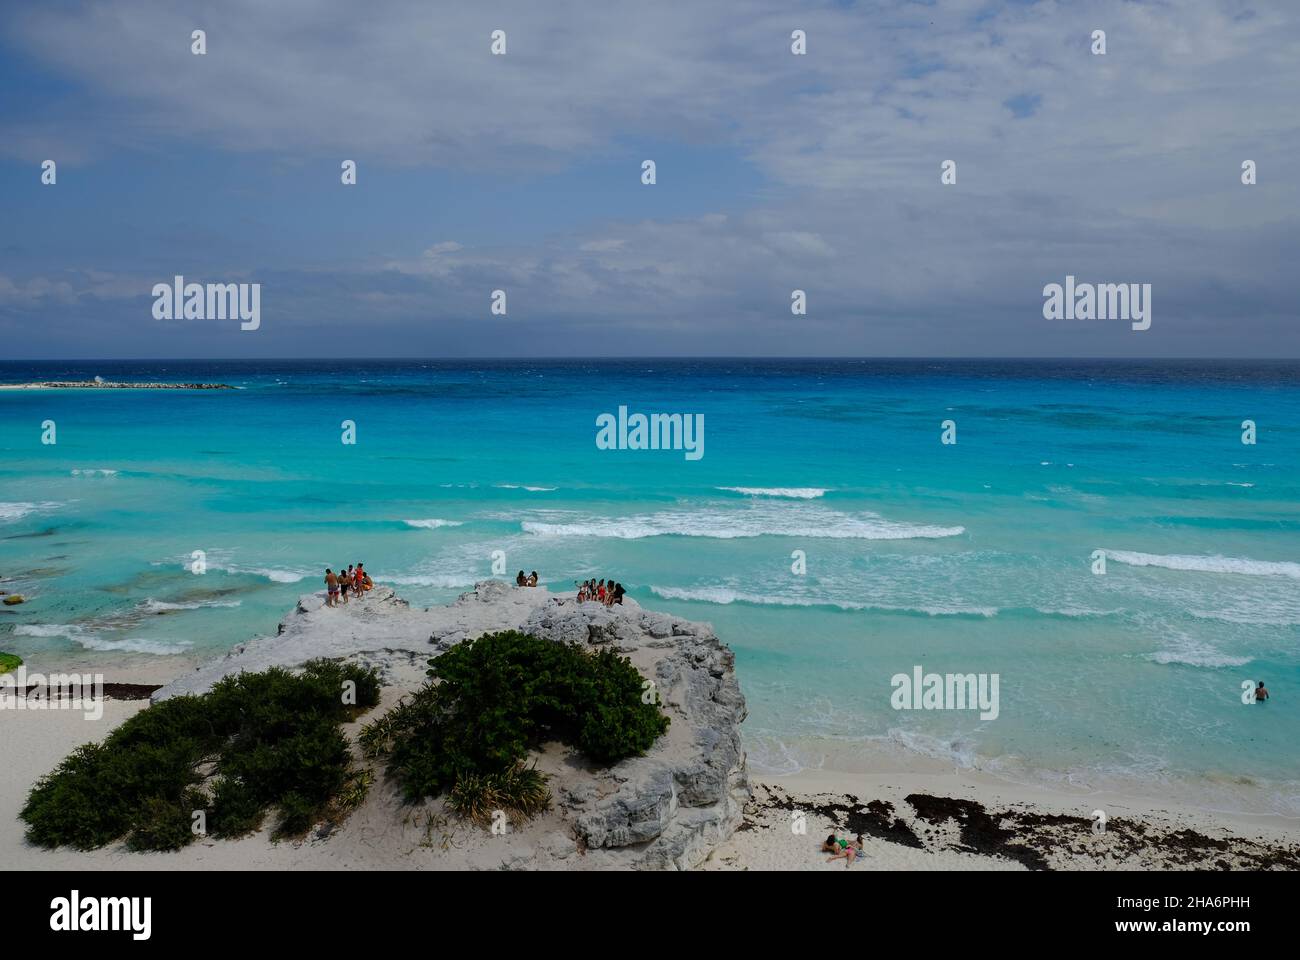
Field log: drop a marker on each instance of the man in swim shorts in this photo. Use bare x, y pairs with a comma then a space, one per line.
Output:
331, 588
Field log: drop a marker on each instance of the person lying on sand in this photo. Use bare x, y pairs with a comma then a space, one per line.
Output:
838, 847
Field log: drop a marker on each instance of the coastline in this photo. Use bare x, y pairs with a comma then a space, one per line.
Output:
1028, 827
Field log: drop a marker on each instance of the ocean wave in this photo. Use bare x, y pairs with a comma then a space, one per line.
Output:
789, 493
524, 486
92, 641
133, 645
94, 472
1207, 564
1075, 613
1275, 610
958, 751
150, 605
725, 595
812, 523
442, 581
269, 573
16, 511
433, 523
69, 631
1195, 653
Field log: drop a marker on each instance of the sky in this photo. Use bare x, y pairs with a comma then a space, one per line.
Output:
774, 171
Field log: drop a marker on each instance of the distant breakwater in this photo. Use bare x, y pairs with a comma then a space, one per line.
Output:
112, 385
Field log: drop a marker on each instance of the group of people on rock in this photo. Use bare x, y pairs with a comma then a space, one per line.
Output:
528, 581
599, 591
353, 580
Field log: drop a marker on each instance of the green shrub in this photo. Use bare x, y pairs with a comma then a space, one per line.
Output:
165, 824
236, 809
273, 737
494, 699
9, 661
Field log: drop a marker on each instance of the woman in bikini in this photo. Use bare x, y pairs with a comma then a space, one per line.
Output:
838, 848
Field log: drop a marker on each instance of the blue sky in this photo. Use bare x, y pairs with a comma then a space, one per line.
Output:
775, 172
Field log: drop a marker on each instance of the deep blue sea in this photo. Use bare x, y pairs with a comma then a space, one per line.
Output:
966, 557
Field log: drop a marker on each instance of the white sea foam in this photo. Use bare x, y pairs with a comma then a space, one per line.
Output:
156, 647
781, 521
1196, 653
18, 510
70, 631
726, 595
789, 493
272, 574
1256, 608
433, 523
94, 472
91, 641
279, 576
524, 486
1207, 564
442, 581
151, 605
1075, 613
956, 750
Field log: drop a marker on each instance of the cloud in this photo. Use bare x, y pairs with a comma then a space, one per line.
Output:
1122, 167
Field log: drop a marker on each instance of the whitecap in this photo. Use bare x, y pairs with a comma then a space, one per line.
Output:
150, 605
790, 493
1207, 564
134, 645
724, 596
813, 522
18, 510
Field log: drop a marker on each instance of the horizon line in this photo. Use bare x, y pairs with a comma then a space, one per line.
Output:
639, 357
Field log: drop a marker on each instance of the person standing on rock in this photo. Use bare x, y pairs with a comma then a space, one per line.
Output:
331, 588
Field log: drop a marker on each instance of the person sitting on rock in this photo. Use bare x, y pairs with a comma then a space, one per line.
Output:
532, 579
521, 580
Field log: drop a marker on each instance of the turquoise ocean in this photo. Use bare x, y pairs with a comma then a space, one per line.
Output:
966, 557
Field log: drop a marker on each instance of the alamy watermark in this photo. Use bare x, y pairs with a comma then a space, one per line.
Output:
20, 690
179, 300
75, 913
952, 691
658, 431
1102, 301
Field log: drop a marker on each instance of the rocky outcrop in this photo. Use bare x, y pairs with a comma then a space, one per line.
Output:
664, 810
